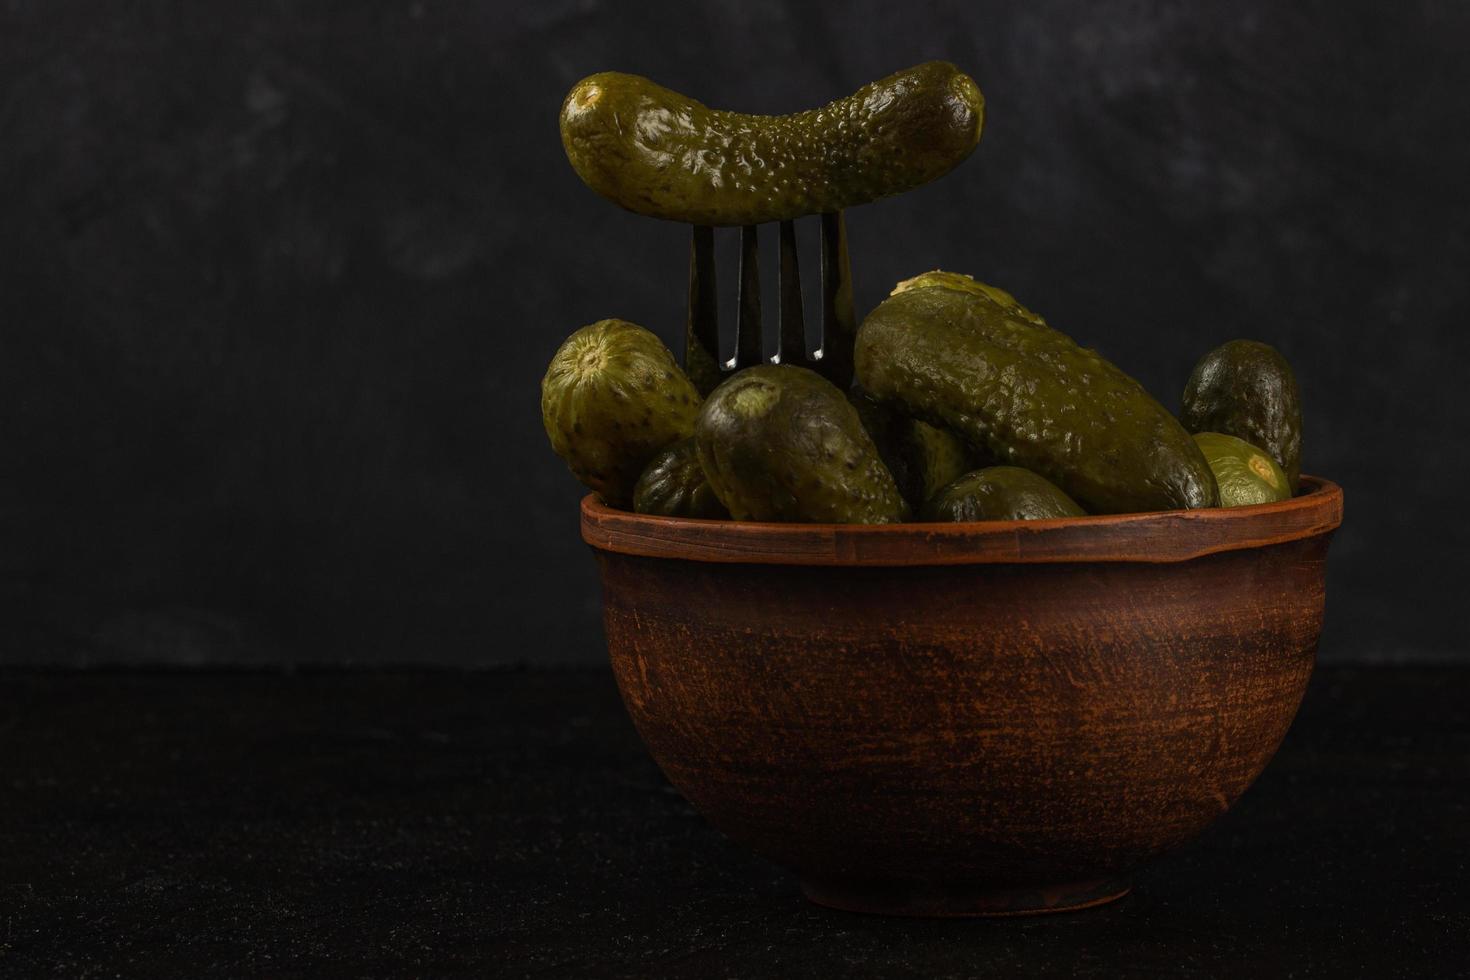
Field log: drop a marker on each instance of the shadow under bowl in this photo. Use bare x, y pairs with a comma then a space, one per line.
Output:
965, 719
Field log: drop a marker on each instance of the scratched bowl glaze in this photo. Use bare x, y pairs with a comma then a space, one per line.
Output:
966, 719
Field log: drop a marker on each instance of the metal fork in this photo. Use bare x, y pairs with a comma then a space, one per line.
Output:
833, 356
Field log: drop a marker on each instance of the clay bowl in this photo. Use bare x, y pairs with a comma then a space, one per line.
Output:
966, 719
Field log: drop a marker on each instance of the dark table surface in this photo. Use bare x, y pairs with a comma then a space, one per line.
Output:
509, 824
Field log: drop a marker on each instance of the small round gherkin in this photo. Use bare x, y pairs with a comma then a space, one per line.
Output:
1246, 475
611, 399
674, 485
1246, 389
782, 443
1001, 493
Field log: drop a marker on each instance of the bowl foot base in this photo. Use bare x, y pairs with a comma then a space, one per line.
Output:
960, 899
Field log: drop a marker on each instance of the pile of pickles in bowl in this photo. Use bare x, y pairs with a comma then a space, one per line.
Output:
966, 406
963, 405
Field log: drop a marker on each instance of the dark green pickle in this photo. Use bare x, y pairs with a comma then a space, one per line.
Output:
1246, 389
782, 443
922, 457
674, 485
659, 153
969, 357
1001, 493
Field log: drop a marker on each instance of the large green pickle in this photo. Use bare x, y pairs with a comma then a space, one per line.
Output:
1001, 493
969, 357
613, 397
782, 443
1246, 389
659, 153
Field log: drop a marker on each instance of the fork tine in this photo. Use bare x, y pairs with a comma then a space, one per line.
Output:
702, 335
793, 326
749, 347
839, 322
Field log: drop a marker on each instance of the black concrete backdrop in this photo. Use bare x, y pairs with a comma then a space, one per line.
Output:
278, 282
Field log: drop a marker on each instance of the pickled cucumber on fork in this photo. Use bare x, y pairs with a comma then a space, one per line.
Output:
662, 154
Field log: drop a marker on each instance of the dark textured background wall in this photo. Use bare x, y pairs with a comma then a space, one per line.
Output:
278, 282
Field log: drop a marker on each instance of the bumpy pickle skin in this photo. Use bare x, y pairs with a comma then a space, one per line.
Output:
969, 357
674, 485
656, 152
612, 398
1246, 389
1245, 474
1000, 493
782, 443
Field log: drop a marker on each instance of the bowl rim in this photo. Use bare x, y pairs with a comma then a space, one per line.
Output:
1156, 537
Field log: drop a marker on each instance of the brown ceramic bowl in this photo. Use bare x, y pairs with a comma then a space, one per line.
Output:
966, 719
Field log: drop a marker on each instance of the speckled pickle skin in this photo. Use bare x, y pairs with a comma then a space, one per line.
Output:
659, 153
782, 443
612, 398
973, 359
